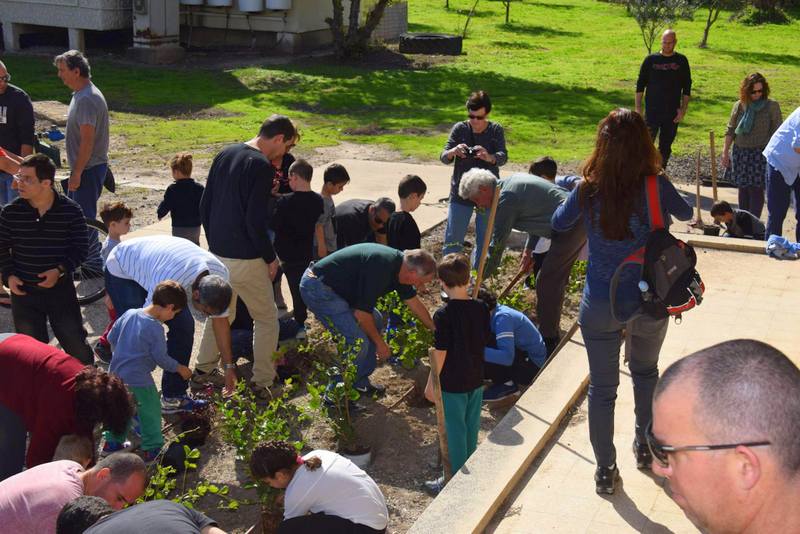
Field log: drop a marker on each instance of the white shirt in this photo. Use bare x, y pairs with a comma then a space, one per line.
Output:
150, 260
780, 149
337, 488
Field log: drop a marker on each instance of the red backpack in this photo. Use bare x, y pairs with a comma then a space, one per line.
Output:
669, 284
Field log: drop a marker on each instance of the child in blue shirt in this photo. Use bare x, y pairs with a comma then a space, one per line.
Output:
517, 354
138, 346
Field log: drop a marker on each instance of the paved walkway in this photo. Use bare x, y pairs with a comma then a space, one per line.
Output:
748, 296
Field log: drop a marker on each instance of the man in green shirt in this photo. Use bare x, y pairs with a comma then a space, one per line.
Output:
527, 203
343, 288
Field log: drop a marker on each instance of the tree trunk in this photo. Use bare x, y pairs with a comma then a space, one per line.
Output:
508, 8
336, 24
713, 14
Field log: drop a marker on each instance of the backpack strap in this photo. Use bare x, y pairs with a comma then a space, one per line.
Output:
654, 203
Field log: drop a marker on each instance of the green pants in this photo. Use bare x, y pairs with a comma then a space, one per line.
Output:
462, 420
148, 408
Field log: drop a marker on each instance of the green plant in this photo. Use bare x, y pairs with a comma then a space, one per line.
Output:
408, 339
163, 484
652, 16
332, 389
245, 424
577, 276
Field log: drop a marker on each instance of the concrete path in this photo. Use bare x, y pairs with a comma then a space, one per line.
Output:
748, 296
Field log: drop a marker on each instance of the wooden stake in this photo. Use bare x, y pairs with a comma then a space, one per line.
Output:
699, 217
713, 154
487, 239
437, 396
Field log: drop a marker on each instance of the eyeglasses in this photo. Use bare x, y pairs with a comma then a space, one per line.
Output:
757, 91
476, 117
379, 221
660, 451
5, 78
25, 180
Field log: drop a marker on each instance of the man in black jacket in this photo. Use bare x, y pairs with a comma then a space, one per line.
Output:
668, 80
234, 212
43, 239
16, 130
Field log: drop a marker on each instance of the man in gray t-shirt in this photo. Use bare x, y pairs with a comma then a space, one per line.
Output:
87, 132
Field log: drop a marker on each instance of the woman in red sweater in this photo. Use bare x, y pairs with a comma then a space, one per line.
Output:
48, 393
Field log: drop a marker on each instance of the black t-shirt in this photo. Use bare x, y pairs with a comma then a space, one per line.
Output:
667, 79
294, 222
182, 200
462, 329
403, 232
352, 223
16, 119
361, 274
162, 517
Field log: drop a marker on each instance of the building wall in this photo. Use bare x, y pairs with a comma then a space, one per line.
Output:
393, 23
82, 14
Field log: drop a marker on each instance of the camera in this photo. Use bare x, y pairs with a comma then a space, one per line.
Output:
471, 152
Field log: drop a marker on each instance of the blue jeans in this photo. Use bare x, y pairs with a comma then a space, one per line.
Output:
336, 315
12, 446
778, 201
7, 193
603, 336
458, 217
87, 196
127, 295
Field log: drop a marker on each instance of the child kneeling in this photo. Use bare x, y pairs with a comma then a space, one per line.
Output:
138, 345
462, 332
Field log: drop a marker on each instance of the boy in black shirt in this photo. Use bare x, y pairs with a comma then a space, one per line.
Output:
462, 332
182, 198
294, 224
402, 230
738, 223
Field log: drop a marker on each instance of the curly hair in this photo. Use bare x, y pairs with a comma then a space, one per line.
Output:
272, 456
747, 86
102, 398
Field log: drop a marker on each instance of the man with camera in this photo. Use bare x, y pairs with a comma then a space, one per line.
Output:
474, 143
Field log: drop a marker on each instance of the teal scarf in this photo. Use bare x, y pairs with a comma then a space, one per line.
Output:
749, 116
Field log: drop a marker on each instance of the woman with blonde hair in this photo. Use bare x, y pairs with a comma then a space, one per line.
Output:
612, 202
754, 118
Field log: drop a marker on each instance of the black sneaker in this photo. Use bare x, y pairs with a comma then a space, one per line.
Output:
644, 458
372, 390
605, 479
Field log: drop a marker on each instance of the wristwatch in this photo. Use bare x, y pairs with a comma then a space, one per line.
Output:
61, 270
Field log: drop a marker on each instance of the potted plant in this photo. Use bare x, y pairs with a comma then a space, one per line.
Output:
332, 394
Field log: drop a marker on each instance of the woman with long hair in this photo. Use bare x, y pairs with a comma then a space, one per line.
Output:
325, 492
754, 118
47, 393
612, 201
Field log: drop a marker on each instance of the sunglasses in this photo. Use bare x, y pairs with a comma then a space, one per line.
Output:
661, 452
5, 78
379, 221
476, 117
757, 91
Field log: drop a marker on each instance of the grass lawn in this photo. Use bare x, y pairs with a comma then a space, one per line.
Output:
553, 72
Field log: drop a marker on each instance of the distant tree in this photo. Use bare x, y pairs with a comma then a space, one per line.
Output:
507, 3
653, 16
353, 40
714, 8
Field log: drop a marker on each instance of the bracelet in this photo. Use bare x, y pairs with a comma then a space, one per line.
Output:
229, 366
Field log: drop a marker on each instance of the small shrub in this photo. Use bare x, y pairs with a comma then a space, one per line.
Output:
410, 340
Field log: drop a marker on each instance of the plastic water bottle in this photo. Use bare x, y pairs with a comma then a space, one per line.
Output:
644, 287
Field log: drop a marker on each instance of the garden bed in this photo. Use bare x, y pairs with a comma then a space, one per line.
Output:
400, 431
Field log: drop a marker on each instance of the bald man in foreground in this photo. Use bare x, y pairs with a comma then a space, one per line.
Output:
724, 434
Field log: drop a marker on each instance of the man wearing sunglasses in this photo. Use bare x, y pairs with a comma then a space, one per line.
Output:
16, 132
362, 221
724, 433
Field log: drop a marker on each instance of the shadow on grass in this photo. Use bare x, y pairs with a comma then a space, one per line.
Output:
517, 45
534, 30
761, 57
548, 5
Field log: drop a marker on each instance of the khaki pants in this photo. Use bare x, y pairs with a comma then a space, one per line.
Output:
250, 281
